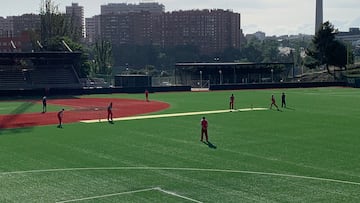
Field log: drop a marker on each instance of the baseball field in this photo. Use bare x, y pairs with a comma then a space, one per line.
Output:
306, 152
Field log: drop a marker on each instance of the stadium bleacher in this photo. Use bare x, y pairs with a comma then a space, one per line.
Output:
54, 75
12, 78
38, 70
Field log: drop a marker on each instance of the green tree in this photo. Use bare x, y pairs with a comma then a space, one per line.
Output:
103, 57
230, 55
270, 49
326, 50
55, 24
252, 52
57, 29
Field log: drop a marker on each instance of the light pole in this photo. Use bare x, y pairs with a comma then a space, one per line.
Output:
147, 75
220, 73
200, 79
272, 75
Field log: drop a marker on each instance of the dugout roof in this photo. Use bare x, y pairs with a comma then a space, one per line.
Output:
249, 67
231, 72
48, 57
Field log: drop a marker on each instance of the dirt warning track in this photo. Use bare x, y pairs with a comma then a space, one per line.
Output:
82, 109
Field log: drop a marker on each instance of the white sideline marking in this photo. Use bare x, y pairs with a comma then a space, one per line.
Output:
107, 195
184, 169
130, 192
174, 115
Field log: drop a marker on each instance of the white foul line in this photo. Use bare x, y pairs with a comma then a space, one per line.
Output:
184, 169
131, 192
177, 195
108, 195
174, 115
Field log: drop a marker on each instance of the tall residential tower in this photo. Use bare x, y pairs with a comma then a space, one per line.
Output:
76, 14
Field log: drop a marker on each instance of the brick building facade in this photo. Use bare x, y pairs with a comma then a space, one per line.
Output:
211, 31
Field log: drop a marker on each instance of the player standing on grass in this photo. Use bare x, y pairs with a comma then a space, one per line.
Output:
110, 114
204, 126
147, 95
60, 117
273, 102
283, 100
44, 104
232, 100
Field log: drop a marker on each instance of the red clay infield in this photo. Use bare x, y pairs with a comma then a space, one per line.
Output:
82, 109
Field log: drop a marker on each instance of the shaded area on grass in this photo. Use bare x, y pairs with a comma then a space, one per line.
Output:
14, 115
210, 145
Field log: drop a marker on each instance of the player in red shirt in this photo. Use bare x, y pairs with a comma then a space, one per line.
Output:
273, 102
147, 95
232, 100
110, 114
60, 117
204, 126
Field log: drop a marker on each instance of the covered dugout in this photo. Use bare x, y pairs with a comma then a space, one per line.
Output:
205, 74
133, 81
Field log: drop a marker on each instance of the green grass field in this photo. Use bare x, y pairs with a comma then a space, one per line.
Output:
308, 152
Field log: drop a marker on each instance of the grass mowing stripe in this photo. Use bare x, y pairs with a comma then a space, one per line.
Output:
317, 137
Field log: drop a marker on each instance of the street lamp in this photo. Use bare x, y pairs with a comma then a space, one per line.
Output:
220, 73
127, 68
272, 75
148, 79
200, 79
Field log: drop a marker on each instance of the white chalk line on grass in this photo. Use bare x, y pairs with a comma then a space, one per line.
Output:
185, 169
174, 115
131, 192
107, 195
177, 195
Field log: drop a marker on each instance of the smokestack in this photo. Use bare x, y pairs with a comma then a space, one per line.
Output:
319, 15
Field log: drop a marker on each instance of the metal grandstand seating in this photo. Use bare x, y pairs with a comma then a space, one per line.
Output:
53, 76
38, 70
12, 78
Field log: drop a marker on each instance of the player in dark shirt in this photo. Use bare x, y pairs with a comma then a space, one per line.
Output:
44, 104
283, 100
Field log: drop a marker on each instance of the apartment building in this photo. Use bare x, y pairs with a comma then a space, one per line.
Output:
76, 15
211, 31
123, 8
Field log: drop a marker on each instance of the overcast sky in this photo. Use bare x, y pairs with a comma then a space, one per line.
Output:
274, 17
